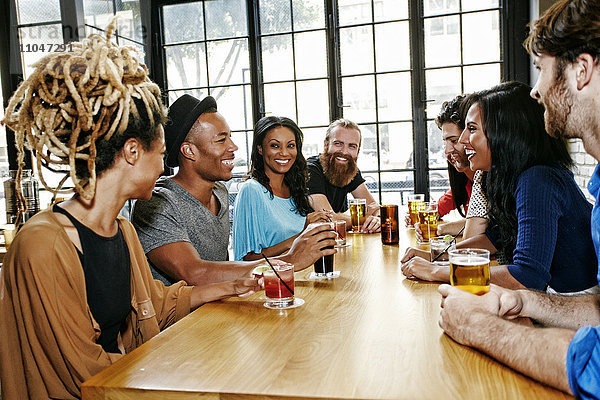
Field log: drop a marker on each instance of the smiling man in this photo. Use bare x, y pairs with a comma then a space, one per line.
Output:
334, 173
184, 227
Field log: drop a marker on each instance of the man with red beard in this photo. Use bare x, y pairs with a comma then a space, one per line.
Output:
565, 353
334, 173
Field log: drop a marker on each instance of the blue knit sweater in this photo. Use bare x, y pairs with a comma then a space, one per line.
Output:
554, 244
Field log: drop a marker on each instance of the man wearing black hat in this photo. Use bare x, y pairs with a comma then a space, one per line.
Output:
184, 227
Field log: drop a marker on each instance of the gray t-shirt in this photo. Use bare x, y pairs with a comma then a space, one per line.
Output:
174, 215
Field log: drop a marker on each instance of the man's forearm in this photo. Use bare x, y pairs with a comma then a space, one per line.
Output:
522, 348
571, 312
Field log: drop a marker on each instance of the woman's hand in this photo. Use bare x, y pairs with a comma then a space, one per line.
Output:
318, 216
418, 232
419, 268
412, 252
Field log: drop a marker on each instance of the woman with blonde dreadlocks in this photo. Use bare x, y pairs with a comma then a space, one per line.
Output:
76, 290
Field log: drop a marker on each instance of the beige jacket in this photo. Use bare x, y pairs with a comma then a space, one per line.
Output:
47, 332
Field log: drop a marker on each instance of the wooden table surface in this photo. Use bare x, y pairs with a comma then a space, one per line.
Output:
369, 334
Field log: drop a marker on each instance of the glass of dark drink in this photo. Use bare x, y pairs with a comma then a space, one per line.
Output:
390, 233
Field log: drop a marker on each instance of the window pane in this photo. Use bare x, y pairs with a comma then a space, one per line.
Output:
129, 22
394, 96
197, 93
436, 7
367, 158
441, 85
483, 35
32, 11
479, 77
308, 14
35, 41
437, 158
233, 106
227, 61
392, 46
311, 55
313, 141
354, 12
442, 47
387, 10
396, 145
395, 186
438, 183
186, 65
226, 18
472, 5
313, 104
183, 22
280, 100
275, 16
359, 98
356, 48
277, 58
243, 140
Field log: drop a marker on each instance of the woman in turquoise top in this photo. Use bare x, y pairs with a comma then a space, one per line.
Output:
272, 207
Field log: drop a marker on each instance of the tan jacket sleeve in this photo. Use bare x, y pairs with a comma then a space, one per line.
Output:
47, 327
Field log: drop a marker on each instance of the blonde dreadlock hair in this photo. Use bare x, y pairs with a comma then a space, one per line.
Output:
68, 110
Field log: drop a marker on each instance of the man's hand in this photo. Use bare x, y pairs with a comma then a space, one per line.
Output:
407, 220
460, 310
372, 224
418, 232
243, 287
419, 268
311, 245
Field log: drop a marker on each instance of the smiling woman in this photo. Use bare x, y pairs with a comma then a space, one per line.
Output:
272, 208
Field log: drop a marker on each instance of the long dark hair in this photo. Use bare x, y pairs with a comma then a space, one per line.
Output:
297, 177
513, 124
454, 112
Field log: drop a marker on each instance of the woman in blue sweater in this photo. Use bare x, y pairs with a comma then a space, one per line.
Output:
539, 217
272, 208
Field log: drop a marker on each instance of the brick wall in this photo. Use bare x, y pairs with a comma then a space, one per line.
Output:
584, 165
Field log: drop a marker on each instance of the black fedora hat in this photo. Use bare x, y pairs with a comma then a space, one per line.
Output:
182, 115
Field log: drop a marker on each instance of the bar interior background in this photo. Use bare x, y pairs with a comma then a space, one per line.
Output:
386, 64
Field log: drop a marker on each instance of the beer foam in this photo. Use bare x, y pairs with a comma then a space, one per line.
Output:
469, 261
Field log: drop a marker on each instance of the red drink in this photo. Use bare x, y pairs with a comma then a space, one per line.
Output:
278, 295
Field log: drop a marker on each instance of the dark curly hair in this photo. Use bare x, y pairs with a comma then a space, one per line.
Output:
297, 177
454, 112
513, 124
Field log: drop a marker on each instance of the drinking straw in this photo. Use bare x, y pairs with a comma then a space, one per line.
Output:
450, 244
274, 270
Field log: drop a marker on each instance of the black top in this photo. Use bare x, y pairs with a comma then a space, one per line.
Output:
318, 184
107, 271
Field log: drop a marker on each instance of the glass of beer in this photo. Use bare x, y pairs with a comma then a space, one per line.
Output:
414, 201
340, 233
428, 220
390, 233
470, 270
358, 210
439, 247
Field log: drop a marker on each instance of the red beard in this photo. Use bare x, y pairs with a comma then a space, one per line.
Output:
336, 173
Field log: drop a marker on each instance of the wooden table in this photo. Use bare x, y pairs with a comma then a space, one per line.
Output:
369, 334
